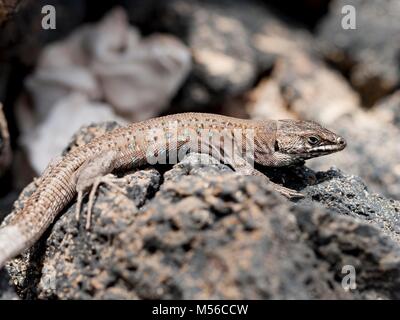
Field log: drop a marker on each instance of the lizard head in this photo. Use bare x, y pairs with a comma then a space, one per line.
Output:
297, 141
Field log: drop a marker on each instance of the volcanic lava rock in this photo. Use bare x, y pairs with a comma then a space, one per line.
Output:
198, 230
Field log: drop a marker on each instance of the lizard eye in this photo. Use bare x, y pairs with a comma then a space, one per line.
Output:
313, 140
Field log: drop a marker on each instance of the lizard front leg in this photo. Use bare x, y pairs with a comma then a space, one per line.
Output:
288, 193
243, 167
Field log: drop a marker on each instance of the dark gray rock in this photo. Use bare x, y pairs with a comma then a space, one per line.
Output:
303, 87
203, 235
370, 54
22, 37
198, 230
7, 292
372, 153
388, 109
206, 233
348, 195
223, 38
344, 195
8, 8
347, 242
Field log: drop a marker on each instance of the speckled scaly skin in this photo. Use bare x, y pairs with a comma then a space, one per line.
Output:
274, 143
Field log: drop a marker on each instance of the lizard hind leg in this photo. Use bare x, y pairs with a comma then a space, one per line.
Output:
90, 175
109, 180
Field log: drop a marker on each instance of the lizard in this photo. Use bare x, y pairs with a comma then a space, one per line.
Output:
272, 143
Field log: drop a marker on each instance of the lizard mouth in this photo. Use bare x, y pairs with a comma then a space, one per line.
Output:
338, 145
325, 150
328, 148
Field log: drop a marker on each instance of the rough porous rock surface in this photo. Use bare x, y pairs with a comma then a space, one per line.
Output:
343, 194
370, 53
303, 87
348, 195
198, 230
7, 292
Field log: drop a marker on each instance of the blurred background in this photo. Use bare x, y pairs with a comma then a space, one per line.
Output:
131, 60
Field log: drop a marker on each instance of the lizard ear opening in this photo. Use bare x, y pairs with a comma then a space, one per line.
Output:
276, 146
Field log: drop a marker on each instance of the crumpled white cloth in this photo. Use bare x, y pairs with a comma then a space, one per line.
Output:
107, 62
110, 61
49, 139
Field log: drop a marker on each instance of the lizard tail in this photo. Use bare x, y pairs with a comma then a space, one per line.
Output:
12, 242
26, 226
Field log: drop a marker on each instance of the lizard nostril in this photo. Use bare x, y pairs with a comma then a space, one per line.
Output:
341, 141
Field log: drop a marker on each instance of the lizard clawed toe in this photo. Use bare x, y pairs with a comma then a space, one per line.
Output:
107, 180
78, 205
288, 193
